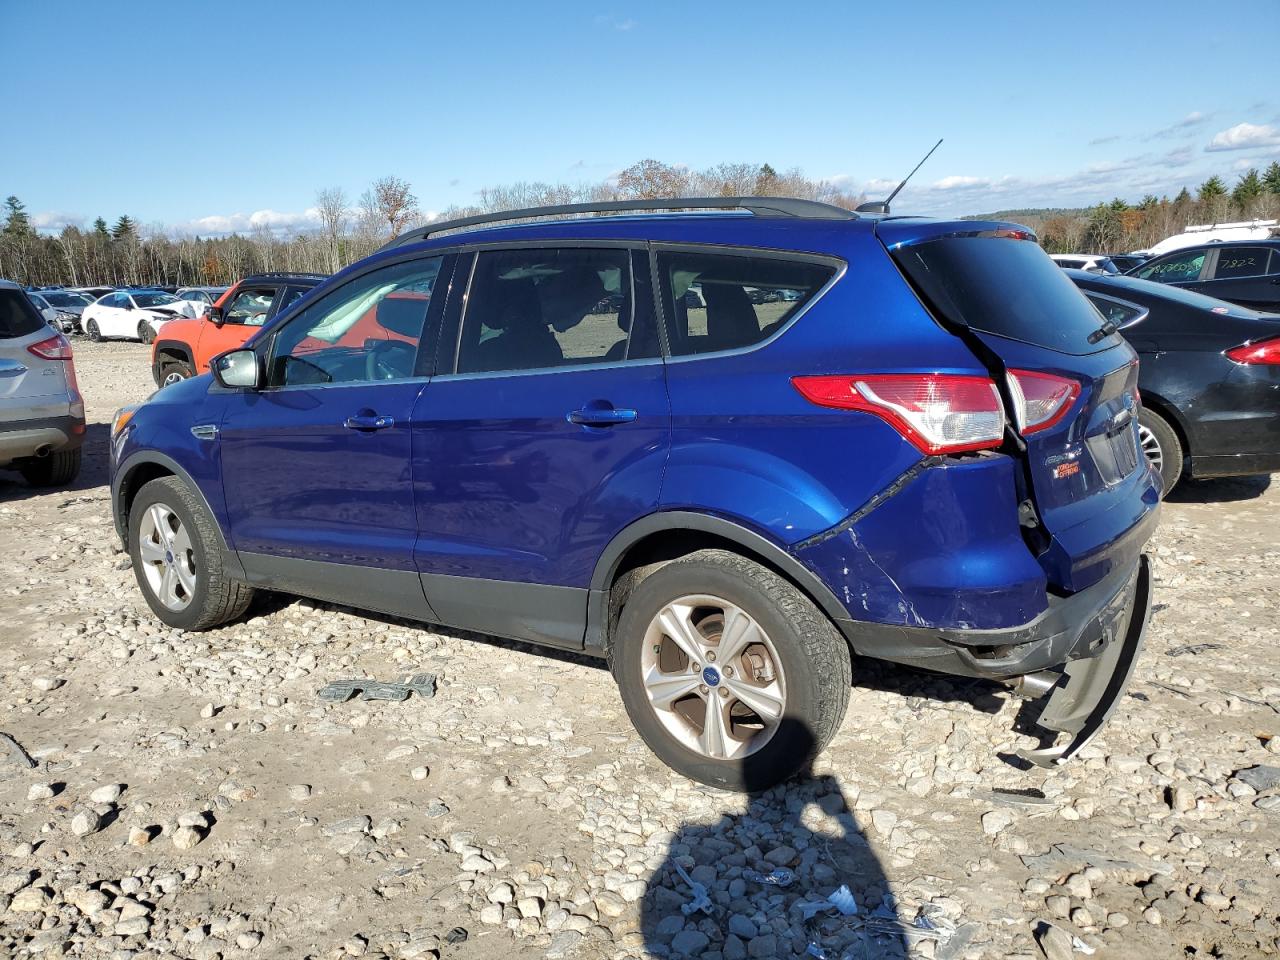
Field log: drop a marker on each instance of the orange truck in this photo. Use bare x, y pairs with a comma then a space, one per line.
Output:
183, 348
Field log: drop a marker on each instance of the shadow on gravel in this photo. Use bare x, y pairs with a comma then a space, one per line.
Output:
1224, 490
743, 914
93, 471
917, 686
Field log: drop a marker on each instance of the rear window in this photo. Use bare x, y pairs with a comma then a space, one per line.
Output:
18, 317
1006, 287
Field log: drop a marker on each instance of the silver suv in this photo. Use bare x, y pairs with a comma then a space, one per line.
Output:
41, 411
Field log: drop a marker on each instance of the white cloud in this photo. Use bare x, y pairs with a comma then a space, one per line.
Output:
53, 221
961, 183
275, 221
1245, 136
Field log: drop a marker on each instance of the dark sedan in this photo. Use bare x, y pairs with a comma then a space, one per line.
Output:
1209, 377
1246, 272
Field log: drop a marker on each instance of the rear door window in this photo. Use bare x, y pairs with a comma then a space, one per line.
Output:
1175, 268
716, 301
1235, 262
18, 317
1003, 286
538, 308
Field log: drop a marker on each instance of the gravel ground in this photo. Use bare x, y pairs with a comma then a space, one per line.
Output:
194, 798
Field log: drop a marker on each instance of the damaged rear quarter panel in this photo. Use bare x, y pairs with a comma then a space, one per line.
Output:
945, 550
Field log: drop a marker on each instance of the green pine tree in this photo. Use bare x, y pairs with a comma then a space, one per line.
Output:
1271, 179
17, 223
1248, 189
1212, 189
124, 229
100, 228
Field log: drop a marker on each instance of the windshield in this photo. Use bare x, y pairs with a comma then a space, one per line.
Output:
154, 299
1005, 286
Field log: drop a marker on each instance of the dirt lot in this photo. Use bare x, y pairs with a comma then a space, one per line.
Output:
194, 798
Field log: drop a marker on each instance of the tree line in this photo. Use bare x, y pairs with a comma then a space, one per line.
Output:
127, 253
1119, 226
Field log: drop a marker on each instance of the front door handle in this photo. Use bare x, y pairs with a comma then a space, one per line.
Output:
601, 416
368, 421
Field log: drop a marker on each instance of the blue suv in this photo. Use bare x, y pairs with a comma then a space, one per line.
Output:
725, 451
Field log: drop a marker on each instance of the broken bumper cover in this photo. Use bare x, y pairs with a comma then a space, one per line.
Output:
1088, 690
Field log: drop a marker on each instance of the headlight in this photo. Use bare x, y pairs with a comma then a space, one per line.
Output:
122, 418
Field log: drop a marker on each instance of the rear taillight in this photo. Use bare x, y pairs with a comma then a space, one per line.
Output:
937, 412
1040, 399
1260, 351
55, 348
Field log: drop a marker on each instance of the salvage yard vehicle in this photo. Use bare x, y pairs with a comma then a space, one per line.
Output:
1209, 377
926, 452
41, 412
132, 315
1246, 272
201, 298
68, 306
188, 345
1089, 262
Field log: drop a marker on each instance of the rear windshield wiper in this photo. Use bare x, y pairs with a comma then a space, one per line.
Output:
1107, 329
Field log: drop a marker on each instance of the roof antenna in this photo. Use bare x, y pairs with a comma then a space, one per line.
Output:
882, 206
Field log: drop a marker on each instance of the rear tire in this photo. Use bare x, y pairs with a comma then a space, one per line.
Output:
55, 470
171, 534
780, 682
175, 371
1162, 448
145, 333
91, 328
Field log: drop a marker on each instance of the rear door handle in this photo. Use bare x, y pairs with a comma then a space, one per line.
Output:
601, 416
368, 421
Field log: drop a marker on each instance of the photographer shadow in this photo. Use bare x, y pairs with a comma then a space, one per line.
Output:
804, 826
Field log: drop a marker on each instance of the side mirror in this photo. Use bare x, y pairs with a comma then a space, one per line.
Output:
214, 315
239, 369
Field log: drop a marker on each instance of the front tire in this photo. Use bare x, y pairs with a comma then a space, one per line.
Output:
91, 328
729, 673
177, 558
55, 470
145, 333
175, 371
1162, 448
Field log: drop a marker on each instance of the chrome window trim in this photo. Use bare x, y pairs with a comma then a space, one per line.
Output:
1127, 304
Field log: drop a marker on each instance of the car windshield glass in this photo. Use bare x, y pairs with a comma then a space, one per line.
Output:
17, 316
153, 299
1003, 286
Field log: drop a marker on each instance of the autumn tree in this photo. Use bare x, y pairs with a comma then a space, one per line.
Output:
652, 180
394, 202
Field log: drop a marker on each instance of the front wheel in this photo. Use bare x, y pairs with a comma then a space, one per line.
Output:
145, 333
177, 558
91, 328
1162, 448
175, 371
728, 672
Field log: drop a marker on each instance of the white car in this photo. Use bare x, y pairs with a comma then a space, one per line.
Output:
200, 298
132, 314
46, 309
1089, 262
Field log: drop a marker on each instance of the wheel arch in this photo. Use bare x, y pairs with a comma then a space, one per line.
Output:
140, 469
658, 538
173, 350
1170, 414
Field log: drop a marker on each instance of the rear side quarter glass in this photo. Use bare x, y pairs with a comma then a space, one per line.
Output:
1241, 262
18, 316
713, 302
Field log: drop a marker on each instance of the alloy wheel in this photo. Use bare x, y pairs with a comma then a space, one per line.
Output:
1151, 448
713, 677
168, 557
172, 377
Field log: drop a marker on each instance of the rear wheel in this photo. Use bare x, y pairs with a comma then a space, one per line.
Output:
1161, 446
730, 674
145, 333
175, 371
91, 328
177, 558
55, 470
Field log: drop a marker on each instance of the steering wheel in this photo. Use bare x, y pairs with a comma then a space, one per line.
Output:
389, 359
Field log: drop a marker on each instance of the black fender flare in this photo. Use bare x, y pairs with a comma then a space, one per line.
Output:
672, 520
177, 348
230, 559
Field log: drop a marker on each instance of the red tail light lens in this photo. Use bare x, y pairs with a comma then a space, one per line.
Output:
1040, 399
937, 412
55, 348
1260, 351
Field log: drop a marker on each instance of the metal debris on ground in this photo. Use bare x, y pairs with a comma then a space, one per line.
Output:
1193, 649
843, 901
16, 751
340, 691
456, 935
699, 900
780, 877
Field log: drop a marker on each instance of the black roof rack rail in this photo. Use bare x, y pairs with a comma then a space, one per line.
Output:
287, 273
760, 206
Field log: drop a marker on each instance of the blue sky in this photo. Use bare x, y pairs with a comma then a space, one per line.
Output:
205, 116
